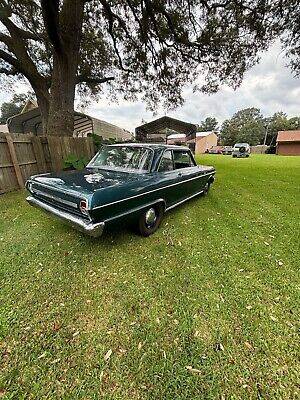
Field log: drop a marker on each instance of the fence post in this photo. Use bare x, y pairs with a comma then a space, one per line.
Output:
14, 159
39, 155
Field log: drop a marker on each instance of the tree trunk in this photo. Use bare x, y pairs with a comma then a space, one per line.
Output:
40, 87
62, 95
43, 103
64, 72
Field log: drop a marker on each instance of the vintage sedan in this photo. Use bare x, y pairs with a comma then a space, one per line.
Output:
132, 182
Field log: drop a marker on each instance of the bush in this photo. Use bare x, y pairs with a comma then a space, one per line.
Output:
271, 149
75, 162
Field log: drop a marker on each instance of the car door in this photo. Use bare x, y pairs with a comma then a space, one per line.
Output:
169, 179
189, 175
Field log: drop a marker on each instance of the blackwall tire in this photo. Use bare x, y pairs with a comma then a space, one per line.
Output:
206, 189
150, 220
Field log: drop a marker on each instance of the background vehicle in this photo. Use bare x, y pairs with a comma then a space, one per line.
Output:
241, 150
216, 150
227, 150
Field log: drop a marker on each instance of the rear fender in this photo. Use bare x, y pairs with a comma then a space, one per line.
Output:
134, 213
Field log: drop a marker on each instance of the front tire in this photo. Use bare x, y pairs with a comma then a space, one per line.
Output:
150, 220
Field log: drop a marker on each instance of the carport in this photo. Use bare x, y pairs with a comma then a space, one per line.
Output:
159, 129
31, 122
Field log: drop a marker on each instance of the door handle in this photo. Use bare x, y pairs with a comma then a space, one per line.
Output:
179, 174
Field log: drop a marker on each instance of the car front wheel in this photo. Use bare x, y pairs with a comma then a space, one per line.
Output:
150, 220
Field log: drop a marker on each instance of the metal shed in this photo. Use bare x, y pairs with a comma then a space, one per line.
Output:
84, 125
161, 128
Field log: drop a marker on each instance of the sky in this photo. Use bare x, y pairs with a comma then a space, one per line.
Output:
269, 86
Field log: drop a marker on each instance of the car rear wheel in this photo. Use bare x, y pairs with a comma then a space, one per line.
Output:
150, 220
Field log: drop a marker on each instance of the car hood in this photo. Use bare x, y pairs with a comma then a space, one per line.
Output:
86, 181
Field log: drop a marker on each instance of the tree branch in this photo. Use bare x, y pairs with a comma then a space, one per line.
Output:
110, 17
50, 10
10, 60
5, 39
6, 71
4, 18
86, 79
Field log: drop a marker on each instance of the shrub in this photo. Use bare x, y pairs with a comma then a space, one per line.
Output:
75, 162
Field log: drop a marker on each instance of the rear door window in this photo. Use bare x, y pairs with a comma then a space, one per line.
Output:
182, 159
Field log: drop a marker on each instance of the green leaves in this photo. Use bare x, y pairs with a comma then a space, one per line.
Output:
74, 162
246, 126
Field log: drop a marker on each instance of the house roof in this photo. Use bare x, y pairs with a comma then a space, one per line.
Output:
182, 136
177, 136
29, 105
288, 136
203, 134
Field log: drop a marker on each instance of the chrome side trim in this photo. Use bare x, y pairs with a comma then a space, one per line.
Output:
183, 201
133, 210
58, 199
154, 190
88, 227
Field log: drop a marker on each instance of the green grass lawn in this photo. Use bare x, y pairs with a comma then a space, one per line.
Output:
206, 308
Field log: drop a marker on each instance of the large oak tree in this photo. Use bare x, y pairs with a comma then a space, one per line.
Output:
150, 47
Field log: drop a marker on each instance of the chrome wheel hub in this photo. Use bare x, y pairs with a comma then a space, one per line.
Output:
151, 216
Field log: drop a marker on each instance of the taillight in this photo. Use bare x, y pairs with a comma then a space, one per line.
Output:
83, 207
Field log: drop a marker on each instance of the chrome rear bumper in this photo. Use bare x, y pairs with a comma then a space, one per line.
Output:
88, 227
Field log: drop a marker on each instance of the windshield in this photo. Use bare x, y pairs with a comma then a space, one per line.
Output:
129, 158
241, 145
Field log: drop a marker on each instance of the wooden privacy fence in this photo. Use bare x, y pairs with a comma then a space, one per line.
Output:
24, 155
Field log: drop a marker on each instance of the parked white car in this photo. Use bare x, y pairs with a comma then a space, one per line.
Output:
241, 150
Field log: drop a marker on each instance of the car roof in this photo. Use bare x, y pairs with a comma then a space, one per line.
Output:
151, 146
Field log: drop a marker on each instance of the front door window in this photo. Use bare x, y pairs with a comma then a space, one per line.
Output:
166, 162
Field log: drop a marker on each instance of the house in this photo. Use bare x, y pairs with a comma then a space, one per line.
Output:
30, 121
176, 138
29, 105
3, 128
288, 143
202, 142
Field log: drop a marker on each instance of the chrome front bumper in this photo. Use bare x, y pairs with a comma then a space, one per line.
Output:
88, 227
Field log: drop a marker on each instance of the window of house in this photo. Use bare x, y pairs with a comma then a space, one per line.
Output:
182, 159
166, 162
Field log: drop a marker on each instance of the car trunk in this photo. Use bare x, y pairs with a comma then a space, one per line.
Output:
65, 190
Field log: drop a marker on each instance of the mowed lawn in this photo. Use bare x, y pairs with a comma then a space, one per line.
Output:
206, 308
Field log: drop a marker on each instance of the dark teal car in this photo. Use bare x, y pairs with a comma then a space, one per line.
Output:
132, 182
